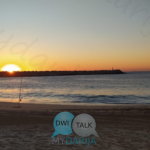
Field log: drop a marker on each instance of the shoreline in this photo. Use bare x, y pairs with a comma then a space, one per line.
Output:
53, 106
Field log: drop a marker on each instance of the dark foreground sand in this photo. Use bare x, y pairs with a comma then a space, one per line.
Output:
120, 127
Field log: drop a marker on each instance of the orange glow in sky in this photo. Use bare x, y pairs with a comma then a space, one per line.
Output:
74, 35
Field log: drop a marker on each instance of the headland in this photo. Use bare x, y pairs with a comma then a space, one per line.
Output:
57, 73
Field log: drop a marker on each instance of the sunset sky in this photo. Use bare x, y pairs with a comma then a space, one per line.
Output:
75, 34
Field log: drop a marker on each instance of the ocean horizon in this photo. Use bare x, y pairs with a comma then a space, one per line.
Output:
128, 88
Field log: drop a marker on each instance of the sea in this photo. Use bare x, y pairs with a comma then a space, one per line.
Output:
128, 88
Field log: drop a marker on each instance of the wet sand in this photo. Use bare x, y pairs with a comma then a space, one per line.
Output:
120, 127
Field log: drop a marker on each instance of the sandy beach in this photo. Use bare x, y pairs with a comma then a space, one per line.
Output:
120, 126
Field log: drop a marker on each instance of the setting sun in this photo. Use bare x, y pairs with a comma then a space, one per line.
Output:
11, 68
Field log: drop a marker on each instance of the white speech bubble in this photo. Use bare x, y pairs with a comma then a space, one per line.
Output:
84, 125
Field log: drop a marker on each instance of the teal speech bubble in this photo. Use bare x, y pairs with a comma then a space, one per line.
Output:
62, 123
